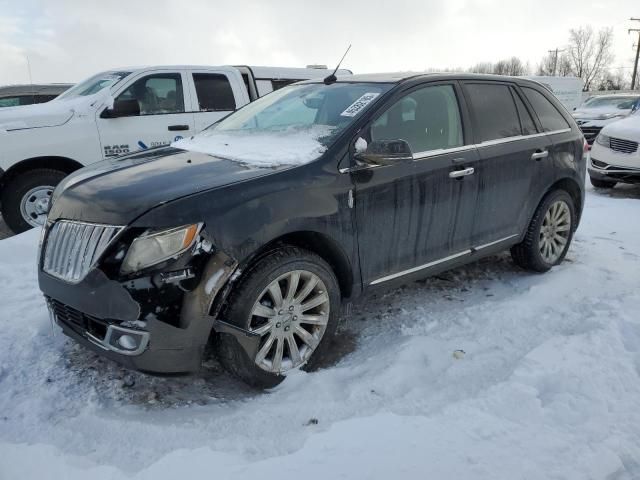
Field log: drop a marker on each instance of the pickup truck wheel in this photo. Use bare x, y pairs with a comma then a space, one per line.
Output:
291, 299
602, 183
549, 234
25, 199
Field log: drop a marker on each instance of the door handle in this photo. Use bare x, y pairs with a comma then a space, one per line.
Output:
175, 128
461, 173
539, 155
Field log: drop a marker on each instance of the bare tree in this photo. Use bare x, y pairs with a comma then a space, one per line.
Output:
482, 67
510, 66
589, 54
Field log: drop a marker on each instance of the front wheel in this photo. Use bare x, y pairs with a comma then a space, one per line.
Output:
549, 234
25, 199
290, 298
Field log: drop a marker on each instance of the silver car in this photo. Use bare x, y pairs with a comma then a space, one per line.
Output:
17, 95
601, 110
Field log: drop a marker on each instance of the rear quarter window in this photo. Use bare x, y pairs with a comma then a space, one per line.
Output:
549, 116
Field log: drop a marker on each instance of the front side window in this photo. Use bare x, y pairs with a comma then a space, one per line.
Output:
494, 111
428, 119
549, 116
214, 92
12, 101
157, 94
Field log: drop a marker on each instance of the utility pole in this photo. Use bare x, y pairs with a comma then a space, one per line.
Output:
555, 59
635, 65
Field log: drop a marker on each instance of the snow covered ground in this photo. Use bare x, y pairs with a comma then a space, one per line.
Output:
548, 387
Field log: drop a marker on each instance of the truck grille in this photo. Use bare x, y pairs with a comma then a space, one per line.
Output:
623, 146
73, 248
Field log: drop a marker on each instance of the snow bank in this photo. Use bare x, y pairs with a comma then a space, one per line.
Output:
549, 386
288, 147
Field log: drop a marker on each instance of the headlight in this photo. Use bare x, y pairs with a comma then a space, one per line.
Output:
603, 140
153, 248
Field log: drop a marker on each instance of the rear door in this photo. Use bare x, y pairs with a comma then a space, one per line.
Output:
513, 155
414, 215
162, 98
216, 93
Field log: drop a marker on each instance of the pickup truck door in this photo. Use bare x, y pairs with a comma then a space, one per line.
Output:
164, 99
215, 93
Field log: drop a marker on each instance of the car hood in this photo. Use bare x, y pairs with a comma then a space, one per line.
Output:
50, 114
598, 113
627, 128
117, 191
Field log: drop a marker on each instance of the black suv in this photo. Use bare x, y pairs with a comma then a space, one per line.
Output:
253, 235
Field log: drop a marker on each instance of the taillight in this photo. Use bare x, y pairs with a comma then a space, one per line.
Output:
585, 146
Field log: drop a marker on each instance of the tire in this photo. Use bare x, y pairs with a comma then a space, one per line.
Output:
14, 192
531, 253
602, 183
253, 290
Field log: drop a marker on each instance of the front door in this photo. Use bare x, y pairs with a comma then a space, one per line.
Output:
412, 215
162, 97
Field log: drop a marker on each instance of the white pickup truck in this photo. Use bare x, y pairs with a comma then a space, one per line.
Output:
114, 113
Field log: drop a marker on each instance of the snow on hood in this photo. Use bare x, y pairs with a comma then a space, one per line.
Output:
49, 114
264, 149
627, 128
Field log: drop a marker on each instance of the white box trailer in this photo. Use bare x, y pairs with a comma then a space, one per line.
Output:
566, 89
117, 112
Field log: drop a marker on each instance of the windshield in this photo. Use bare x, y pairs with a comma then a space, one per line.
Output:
94, 84
621, 103
292, 125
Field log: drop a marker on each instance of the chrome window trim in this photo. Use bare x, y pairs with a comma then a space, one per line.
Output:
441, 260
463, 148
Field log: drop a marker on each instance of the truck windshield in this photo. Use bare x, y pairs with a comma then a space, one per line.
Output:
94, 84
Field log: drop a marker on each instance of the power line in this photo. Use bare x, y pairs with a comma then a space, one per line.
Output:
635, 65
555, 59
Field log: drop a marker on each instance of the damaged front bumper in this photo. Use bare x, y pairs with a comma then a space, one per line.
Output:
103, 315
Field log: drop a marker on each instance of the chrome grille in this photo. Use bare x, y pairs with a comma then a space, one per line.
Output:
72, 248
623, 146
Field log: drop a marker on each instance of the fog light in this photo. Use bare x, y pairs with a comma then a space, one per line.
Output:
127, 342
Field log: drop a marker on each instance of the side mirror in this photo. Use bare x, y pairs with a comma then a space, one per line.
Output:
122, 108
383, 152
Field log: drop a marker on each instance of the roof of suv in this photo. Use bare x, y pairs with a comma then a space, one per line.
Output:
397, 77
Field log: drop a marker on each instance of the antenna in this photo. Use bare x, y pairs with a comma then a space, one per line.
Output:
332, 78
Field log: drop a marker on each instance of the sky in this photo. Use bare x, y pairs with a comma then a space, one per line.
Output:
68, 40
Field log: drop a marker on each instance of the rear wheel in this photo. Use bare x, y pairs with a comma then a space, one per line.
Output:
291, 299
549, 234
25, 199
602, 183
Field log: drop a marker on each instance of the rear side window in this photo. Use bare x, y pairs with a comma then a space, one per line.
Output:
214, 92
549, 116
527, 123
494, 110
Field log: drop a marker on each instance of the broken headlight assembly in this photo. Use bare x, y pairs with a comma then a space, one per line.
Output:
152, 248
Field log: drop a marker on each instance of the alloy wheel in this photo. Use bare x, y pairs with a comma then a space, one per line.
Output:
555, 231
291, 315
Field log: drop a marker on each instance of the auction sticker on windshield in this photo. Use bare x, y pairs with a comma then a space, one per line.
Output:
353, 109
